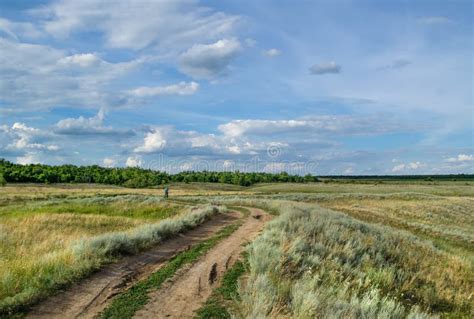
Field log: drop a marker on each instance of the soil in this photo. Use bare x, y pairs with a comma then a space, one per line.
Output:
191, 287
90, 296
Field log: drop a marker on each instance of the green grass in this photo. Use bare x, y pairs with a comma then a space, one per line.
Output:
43, 253
132, 300
217, 305
131, 206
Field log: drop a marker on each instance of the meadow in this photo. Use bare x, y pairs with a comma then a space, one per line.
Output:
372, 250
49, 243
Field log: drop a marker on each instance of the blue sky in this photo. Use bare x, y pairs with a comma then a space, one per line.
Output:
325, 87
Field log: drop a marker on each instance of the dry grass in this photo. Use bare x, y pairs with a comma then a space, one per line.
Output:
309, 262
22, 192
447, 221
432, 188
45, 244
35, 249
312, 262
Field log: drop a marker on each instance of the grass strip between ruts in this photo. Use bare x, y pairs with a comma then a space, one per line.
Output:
126, 304
218, 303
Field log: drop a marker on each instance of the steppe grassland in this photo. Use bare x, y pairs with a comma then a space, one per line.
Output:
417, 263
313, 262
447, 221
45, 244
22, 192
400, 250
448, 188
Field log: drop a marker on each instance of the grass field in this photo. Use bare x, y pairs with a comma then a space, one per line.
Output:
372, 250
46, 244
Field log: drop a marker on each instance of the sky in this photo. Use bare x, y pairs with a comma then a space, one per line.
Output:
321, 87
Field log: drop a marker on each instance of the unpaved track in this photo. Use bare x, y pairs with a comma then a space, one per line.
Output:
89, 297
182, 296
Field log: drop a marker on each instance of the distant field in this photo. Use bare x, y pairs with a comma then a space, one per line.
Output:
464, 188
398, 249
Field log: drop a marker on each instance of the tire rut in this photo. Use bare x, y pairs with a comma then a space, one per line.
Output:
181, 296
90, 296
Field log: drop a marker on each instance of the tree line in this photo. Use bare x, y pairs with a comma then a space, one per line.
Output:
133, 176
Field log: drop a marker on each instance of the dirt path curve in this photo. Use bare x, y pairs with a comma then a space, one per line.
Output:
90, 296
184, 295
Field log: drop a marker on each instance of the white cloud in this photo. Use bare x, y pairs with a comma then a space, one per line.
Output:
209, 60
325, 68
320, 125
39, 77
398, 168
181, 88
82, 60
25, 138
272, 53
29, 158
134, 161
135, 24
228, 165
173, 142
15, 29
88, 126
109, 162
461, 158
349, 170
408, 167
153, 142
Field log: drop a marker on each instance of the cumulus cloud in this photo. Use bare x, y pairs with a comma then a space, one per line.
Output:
256, 137
181, 88
29, 158
154, 141
173, 142
209, 60
133, 24
408, 167
325, 68
26, 138
89, 126
461, 158
134, 161
109, 162
271, 53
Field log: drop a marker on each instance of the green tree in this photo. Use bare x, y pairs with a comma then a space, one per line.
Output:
3, 181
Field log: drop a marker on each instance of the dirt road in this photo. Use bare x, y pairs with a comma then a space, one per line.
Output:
89, 297
181, 297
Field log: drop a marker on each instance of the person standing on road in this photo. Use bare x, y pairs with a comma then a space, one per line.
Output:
166, 190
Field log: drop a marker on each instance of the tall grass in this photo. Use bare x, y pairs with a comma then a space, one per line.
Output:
312, 262
28, 276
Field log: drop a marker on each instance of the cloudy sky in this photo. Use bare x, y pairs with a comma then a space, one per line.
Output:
326, 87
